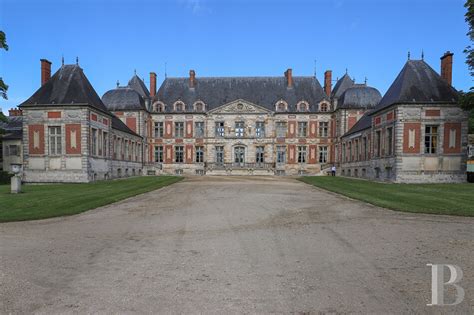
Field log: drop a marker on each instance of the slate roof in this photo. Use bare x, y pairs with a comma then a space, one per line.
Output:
418, 83
365, 122
123, 98
68, 86
359, 96
341, 86
138, 85
262, 91
13, 128
120, 125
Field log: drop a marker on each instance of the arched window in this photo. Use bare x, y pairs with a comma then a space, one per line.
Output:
281, 106
158, 107
179, 107
323, 107
302, 107
199, 107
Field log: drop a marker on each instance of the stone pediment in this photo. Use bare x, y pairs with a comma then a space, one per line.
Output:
240, 107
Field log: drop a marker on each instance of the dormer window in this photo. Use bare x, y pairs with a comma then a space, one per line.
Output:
199, 107
302, 107
179, 107
158, 107
281, 106
323, 107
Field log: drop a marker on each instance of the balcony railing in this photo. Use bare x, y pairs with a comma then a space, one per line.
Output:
234, 166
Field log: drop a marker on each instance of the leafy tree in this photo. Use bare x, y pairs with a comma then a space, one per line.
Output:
467, 99
3, 86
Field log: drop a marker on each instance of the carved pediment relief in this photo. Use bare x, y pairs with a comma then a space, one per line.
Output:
240, 107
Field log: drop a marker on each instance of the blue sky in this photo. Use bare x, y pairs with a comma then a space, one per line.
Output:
227, 38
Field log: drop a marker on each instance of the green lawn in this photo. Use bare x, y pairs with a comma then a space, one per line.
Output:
452, 199
52, 200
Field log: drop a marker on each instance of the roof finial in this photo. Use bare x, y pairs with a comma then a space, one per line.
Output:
77, 61
135, 71
365, 81
62, 60
422, 55
166, 74
118, 83
408, 55
315, 68
346, 70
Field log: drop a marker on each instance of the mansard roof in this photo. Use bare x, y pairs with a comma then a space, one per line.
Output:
418, 83
68, 86
13, 128
341, 86
262, 91
359, 96
123, 98
139, 86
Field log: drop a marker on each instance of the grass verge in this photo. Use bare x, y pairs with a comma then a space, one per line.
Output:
451, 199
53, 200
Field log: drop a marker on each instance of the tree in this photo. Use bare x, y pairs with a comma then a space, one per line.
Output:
467, 99
3, 45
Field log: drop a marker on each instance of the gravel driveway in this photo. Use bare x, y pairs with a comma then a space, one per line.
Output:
232, 245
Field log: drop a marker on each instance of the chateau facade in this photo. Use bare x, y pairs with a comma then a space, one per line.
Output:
286, 125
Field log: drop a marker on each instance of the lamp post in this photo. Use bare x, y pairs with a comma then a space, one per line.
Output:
16, 179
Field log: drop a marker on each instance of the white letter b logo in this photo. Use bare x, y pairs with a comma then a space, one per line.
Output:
438, 284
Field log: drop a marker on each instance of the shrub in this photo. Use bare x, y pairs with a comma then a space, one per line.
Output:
5, 177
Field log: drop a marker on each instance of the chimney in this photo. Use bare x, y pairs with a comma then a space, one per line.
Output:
152, 84
328, 82
192, 78
289, 77
45, 71
447, 67
14, 112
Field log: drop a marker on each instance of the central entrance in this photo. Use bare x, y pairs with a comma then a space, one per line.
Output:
239, 156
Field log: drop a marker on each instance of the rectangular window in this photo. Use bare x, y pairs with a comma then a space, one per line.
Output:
220, 129
344, 153
260, 156
357, 151
105, 144
281, 129
323, 154
281, 154
323, 129
220, 155
199, 129
301, 154
302, 129
179, 154
351, 157
200, 154
260, 129
389, 141
378, 143
159, 129
13, 150
55, 140
179, 129
239, 129
431, 139
94, 142
364, 141
159, 154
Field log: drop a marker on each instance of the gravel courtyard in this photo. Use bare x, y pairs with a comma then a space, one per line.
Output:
232, 245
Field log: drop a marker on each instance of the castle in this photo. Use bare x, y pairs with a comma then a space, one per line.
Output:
288, 125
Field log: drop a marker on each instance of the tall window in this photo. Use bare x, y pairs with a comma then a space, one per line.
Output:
199, 154
260, 129
179, 154
302, 154
281, 129
239, 129
105, 144
431, 139
260, 158
220, 129
159, 154
179, 129
302, 129
323, 128
323, 107
344, 153
378, 143
219, 155
159, 130
179, 107
365, 147
281, 154
302, 107
199, 107
351, 157
323, 154
389, 141
357, 151
93, 142
239, 155
199, 129
281, 107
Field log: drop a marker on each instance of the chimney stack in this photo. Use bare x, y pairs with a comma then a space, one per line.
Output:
14, 112
192, 78
152, 84
447, 67
289, 77
45, 71
328, 82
